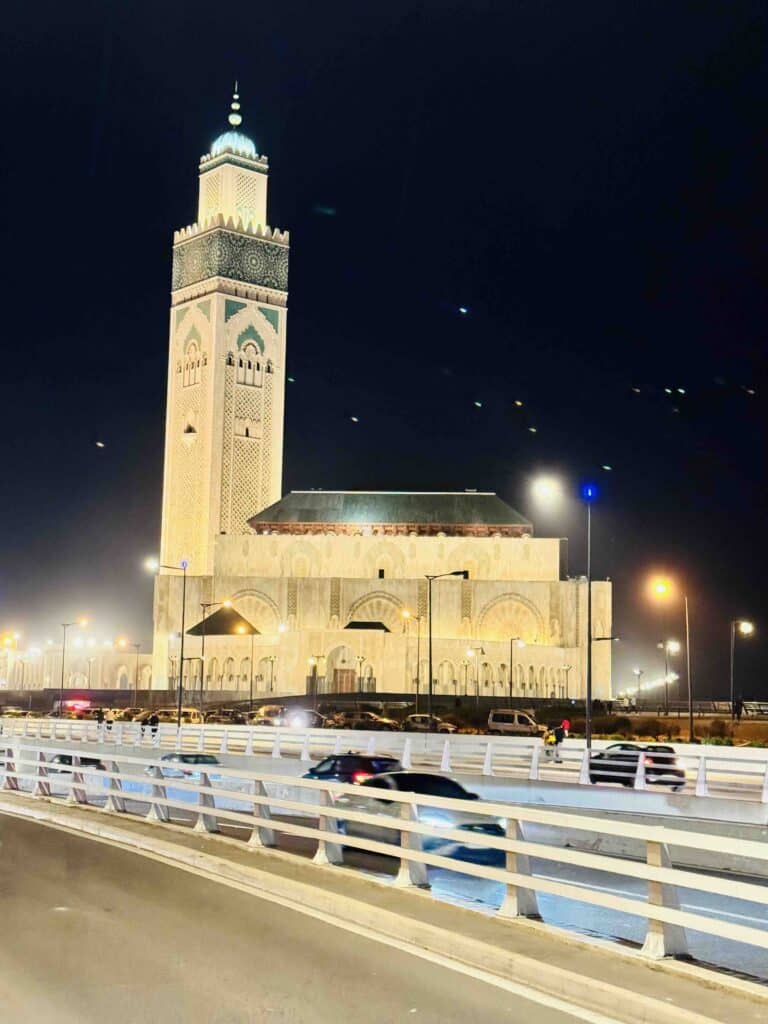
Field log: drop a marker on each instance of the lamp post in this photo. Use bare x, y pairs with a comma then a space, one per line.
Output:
409, 615
64, 627
514, 641
638, 674
744, 628
312, 661
670, 647
566, 669
272, 659
205, 605
430, 580
589, 493
474, 653
662, 589
90, 667
152, 564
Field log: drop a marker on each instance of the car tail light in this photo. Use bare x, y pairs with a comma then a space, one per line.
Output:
358, 777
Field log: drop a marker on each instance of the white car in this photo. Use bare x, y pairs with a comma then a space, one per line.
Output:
427, 723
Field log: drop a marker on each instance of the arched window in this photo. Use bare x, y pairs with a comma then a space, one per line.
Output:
249, 367
191, 372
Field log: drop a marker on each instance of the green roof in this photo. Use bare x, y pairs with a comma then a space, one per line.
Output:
441, 508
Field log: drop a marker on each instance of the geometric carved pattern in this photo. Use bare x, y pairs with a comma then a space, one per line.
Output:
466, 599
246, 198
511, 615
422, 599
267, 446
232, 308
222, 253
226, 449
378, 606
335, 596
293, 589
272, 315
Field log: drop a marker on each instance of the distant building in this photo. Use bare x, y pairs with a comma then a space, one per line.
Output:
325, 576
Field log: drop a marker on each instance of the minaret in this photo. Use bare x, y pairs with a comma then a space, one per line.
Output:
226, 365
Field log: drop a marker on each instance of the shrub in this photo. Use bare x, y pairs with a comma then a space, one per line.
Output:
673, 729
718, 728
651, 727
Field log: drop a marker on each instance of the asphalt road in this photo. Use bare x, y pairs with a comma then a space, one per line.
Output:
94, 934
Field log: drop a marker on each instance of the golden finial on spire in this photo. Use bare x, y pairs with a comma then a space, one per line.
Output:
235, 118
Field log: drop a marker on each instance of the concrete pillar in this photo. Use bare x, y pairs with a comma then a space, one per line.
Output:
328, 852
412, 872
518, 900
662, 939
205, 822
261, 835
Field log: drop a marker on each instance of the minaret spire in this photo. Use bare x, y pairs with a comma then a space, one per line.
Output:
235, 118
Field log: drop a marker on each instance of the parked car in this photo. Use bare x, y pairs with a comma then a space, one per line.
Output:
14, 712
66, 759
127, 714
508, 722
365, 720
267, 714
372, 800
352, 768
225, 716
303, 718
619, 763
179, 766
427, 723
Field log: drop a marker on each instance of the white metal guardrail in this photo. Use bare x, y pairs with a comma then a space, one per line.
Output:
729, 772
209, 799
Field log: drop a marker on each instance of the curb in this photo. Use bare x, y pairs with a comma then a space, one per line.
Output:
564, 989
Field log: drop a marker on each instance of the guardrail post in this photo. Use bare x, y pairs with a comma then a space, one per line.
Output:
337, 743
640, 781
118, 733
445, 760
584, 779
156, 737
276, 745
764, 794
701, 777
224, 745
42, 785
328, 852
249, 742
100, 728
412, 872
305, 749
77, 793
205, 822
405, 760
370, 747
10, 782
26, 728
261, 835
518, 901
157, 811
115, 804
488, 759
662, 939
533, 772
200, 739
68, 730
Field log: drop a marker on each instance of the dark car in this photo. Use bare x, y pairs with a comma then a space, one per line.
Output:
66, 759
352, 768
619, 763
365, 720
225, 716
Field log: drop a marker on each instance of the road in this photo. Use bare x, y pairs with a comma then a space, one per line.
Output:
94, 934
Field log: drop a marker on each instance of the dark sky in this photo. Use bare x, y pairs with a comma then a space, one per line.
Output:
589, 179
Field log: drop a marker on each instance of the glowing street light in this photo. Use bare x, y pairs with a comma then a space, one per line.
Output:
82, 623
744, 628
153, 565
663, 589
407, 614
430, 578
670, 648
547, 490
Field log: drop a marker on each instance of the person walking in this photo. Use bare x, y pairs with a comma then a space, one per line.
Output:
154, 722
561, 732
99, 716
109, 719
738, 708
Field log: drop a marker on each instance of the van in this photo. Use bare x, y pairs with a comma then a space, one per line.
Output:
508, 722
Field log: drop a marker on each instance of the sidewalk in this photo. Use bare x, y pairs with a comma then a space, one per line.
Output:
594, 975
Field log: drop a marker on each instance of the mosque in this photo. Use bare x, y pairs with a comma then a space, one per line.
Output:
325, 591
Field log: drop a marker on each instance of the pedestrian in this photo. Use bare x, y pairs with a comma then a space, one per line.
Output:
561, 732
109, 719
99, 716
738, 708
154, 722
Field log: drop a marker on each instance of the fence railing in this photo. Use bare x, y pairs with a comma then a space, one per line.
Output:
208, 799
728, 772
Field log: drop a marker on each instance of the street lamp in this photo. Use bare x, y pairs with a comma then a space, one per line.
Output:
663, 589
430, 579
153, 565
566, 669
744, 628
312, 662
589, 494
473, 652
205, 605
638, 674
406, 614
82, 623
514, 641
670, 648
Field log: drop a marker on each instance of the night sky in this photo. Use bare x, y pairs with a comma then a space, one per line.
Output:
588, 179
